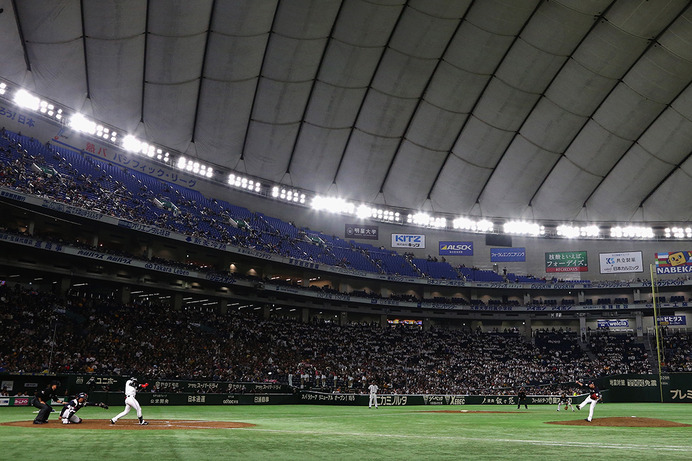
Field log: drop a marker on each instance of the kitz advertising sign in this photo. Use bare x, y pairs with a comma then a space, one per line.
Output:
408, 241
456, 248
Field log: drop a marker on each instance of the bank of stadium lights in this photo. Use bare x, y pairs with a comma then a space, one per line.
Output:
79, 122
3, 88
523, 228
288, 195
425, 220
332, 205
632, 232
26, 100
364, 211
244, 183
132, 144
678, 232
193, 166
482, 225
577, 231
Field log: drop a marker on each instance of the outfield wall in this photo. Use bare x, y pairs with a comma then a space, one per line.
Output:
672, 388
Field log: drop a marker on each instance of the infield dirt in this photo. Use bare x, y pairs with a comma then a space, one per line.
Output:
133, 425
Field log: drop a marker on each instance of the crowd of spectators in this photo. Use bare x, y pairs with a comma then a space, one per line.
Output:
40, 332
677, 347
619, 353
28, 166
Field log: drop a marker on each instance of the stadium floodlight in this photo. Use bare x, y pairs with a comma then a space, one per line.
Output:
678, 232
577, 231
27, 100
420, 219
132, 144
523, 228
79, 122
332, 205
363, 211
3, 88
632, 232
482, 225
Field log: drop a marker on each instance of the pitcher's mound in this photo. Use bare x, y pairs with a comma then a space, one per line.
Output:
133, 424
622, 421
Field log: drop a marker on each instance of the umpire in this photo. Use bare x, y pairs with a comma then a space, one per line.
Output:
41, 402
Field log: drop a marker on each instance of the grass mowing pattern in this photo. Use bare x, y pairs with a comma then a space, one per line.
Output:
304, 432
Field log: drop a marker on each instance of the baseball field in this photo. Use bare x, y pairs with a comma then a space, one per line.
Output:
304, 432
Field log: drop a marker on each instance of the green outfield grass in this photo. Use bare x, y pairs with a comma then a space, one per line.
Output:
333, 432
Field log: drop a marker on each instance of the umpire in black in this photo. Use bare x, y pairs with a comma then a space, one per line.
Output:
41, 402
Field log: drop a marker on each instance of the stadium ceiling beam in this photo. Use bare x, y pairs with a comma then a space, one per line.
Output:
362, 101
204, 65
596, 22
312, 89
420, 101
21, 35
259, 77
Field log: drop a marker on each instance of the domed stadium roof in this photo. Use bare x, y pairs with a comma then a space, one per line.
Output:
575, 110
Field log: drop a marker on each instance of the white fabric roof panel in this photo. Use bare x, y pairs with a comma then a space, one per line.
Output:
671, 203
481, 144
435, 128
502, 17
621, 193
513, 183
476, 50
626, 113
334, 107
551, 127
115, 77
669, 138
454, 89
402, 76
578, 90
412, 174
365, 23
348, 66
317, 157
528, 68
586, 151
557, 29
494, 108
458, 185
368, 162
11, 53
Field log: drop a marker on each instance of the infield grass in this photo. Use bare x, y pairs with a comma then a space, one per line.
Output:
306, 432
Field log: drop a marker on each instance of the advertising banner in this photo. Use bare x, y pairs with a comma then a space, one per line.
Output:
566, 261
507, 255
679, 262
607, 323
672, 320
362, 231
408, 241
619, 263
456, 248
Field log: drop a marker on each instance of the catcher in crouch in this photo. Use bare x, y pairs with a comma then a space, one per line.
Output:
67, 414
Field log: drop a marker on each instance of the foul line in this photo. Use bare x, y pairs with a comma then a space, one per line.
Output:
618, 446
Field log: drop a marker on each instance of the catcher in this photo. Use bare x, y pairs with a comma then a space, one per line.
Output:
67, 414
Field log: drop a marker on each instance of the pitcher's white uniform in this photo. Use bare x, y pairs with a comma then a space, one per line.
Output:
131, 402
373, 395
